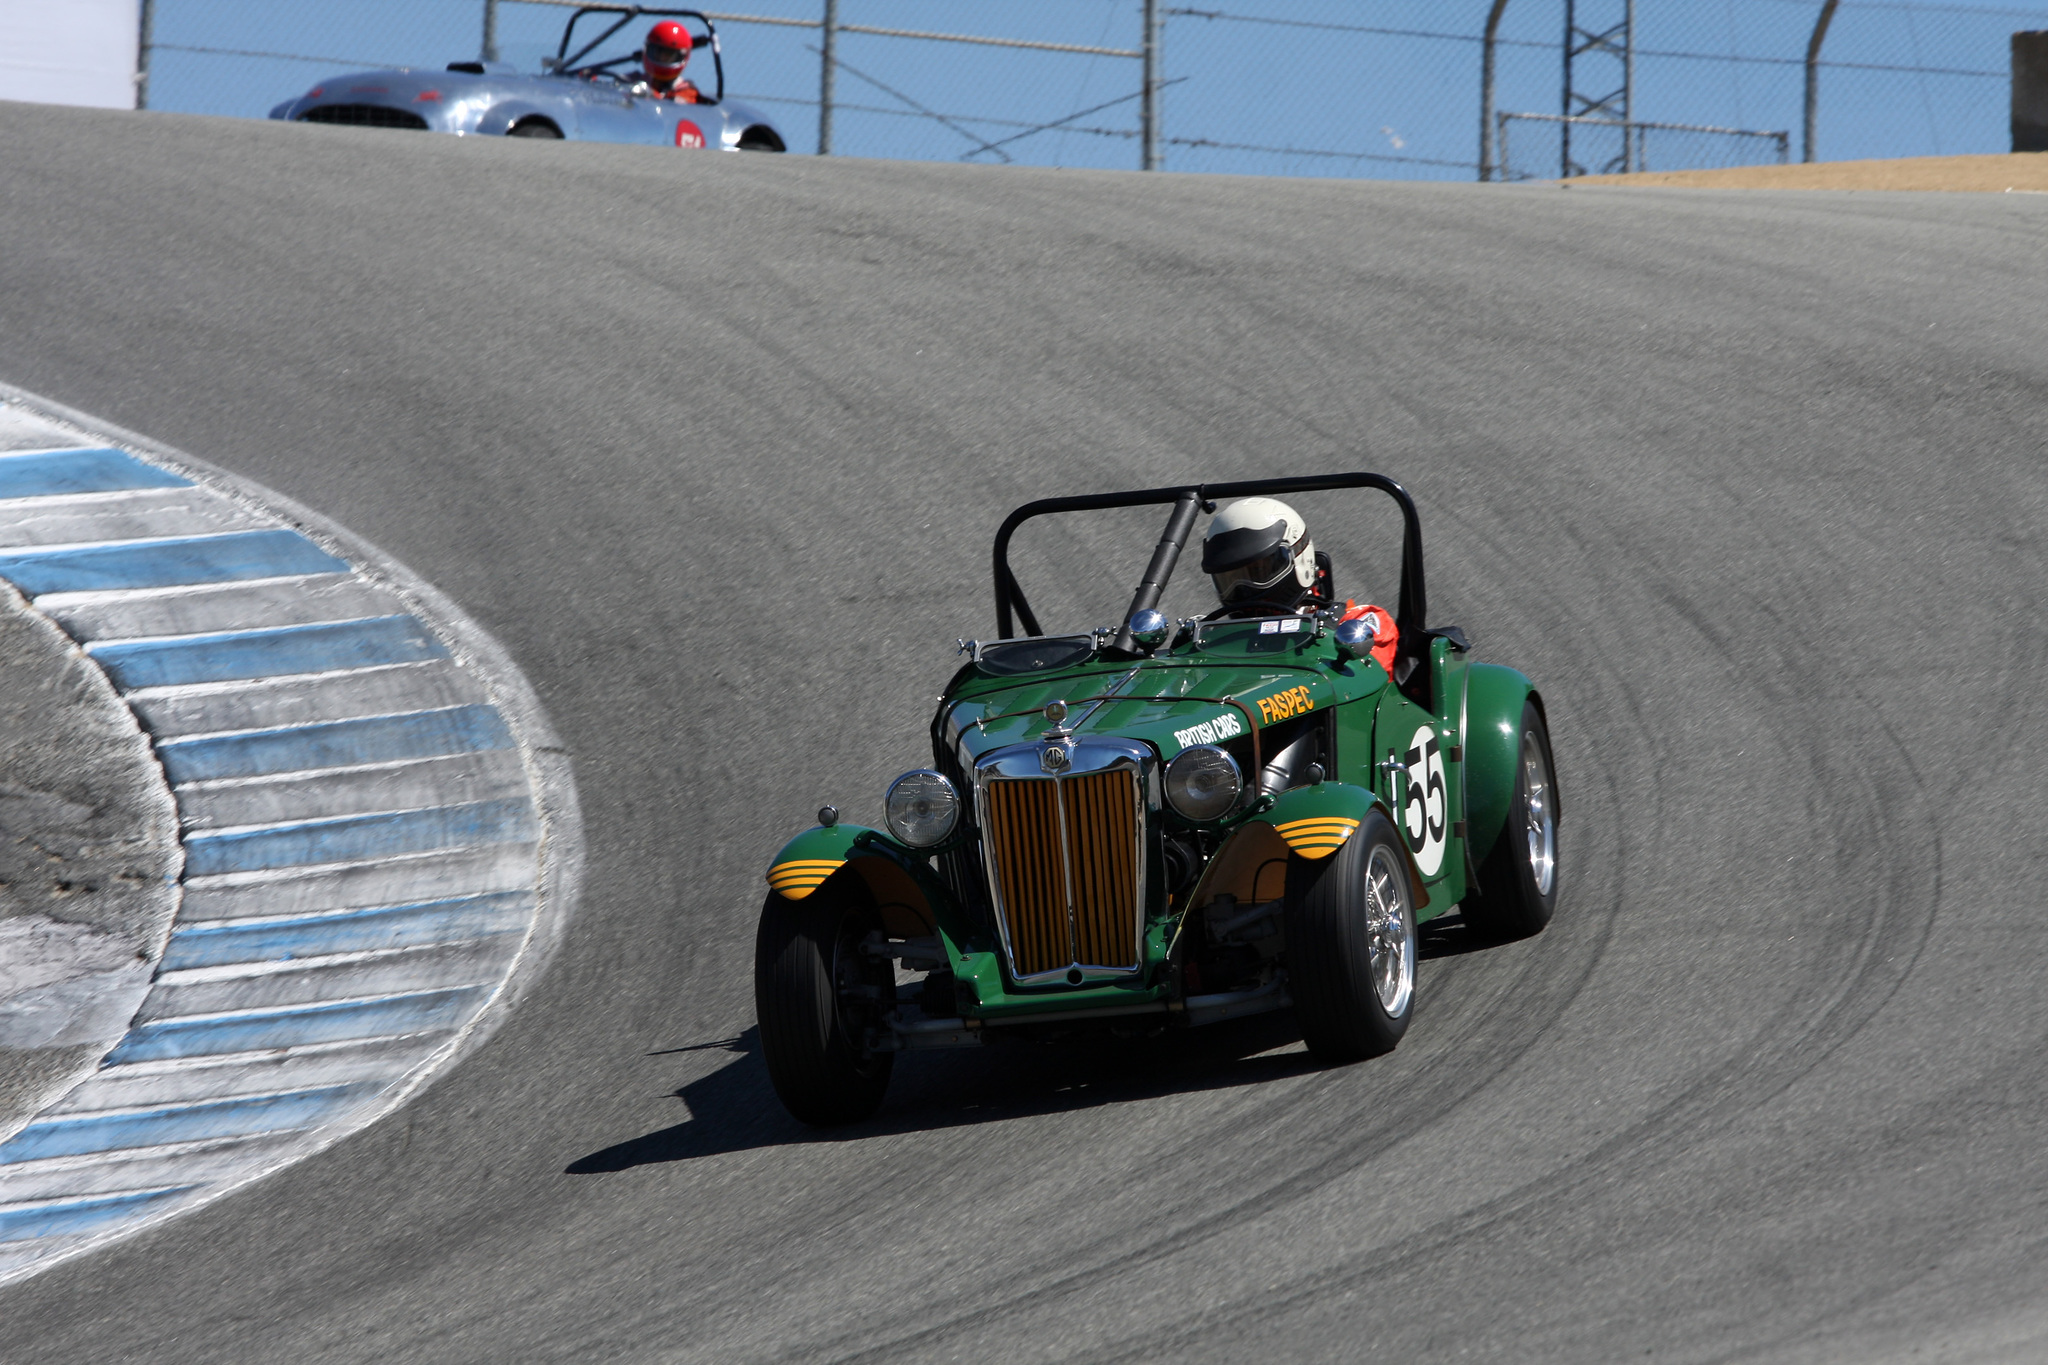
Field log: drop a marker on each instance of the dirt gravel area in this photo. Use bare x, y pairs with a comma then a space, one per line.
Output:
89, 862
2014, 172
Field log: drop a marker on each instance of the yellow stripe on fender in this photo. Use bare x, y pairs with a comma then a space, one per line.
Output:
1317, 838
799, 877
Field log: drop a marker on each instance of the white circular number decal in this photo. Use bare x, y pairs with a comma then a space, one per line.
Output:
1425, 805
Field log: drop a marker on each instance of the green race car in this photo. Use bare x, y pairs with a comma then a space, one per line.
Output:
1164, 825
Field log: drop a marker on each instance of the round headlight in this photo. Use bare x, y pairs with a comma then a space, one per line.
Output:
1203, 783
921, 808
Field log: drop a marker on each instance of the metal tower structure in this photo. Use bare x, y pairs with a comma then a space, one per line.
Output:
1595, 57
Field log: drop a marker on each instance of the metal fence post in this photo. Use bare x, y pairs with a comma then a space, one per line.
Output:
1564, 129
1820, 34
1629, 159
1486, 51
2030, 91
143, 38
490, 52
1613, 107
1148, 106
828, 69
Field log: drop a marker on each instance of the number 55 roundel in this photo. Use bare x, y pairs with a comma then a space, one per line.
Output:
1425, 805
689, 134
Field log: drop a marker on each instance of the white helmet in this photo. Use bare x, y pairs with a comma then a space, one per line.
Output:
1255, 545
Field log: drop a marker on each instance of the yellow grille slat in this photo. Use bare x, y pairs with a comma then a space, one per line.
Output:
1101, 841
1024, 851
1101, 827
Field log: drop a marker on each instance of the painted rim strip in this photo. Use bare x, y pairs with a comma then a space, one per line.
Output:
380, 830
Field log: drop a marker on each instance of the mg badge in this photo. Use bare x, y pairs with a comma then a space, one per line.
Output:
1053, 758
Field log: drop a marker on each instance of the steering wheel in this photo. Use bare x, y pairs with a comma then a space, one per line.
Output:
603, 68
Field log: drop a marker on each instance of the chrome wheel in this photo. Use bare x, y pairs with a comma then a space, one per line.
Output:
1539, 814
1390, 932
1351, 944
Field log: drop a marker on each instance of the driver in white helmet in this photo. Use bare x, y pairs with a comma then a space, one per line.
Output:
1258, 553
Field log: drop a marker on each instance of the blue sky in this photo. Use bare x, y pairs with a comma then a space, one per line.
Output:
1380, 88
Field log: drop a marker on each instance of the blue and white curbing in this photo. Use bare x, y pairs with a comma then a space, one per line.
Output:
380, 831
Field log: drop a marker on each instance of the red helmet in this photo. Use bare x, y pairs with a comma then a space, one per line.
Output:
666, 51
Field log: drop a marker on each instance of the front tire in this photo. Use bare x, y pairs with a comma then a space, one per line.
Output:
1518, 880
816, 996
1351, 945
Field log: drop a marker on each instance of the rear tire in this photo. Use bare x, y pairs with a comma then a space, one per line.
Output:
534, 127
816, 995
1518, 881
1351, 944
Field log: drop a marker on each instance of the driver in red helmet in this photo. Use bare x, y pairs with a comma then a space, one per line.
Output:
663, 57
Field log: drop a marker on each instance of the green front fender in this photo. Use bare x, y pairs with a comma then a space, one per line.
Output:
1315, 821
909, 896
1493, 738
807, 860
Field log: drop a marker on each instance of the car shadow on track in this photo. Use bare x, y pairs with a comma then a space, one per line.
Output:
734, 1107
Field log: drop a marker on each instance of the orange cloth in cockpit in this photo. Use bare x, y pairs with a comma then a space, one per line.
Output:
1384, 634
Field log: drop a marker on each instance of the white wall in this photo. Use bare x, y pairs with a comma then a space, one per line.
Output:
69, 51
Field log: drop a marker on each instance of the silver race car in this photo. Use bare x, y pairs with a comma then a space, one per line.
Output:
592, 89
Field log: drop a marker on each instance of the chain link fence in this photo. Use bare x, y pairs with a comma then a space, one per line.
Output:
1384, 88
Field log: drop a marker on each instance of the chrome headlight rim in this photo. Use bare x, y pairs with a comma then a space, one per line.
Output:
908, 823
1355, 639
1197, 755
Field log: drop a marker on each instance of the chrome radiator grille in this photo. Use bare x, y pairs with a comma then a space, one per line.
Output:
1063, 861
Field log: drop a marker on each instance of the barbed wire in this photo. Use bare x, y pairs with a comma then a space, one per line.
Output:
983, 119
980, 40
1349, 28
1314, 151
1919, 7
1640, 51
1083, 113
941, 119
273, 56
1823, 63
1125, 134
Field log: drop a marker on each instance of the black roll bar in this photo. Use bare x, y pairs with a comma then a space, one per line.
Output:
627, 14
1164, 556
1409, 610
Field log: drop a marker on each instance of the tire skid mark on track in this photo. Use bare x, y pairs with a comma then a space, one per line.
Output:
269, 1032
1500, 1038
1803, 1032
1802, 1039
1564, 374
1447, 1084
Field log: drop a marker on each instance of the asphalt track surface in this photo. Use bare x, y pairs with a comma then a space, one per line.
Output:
1753, 485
